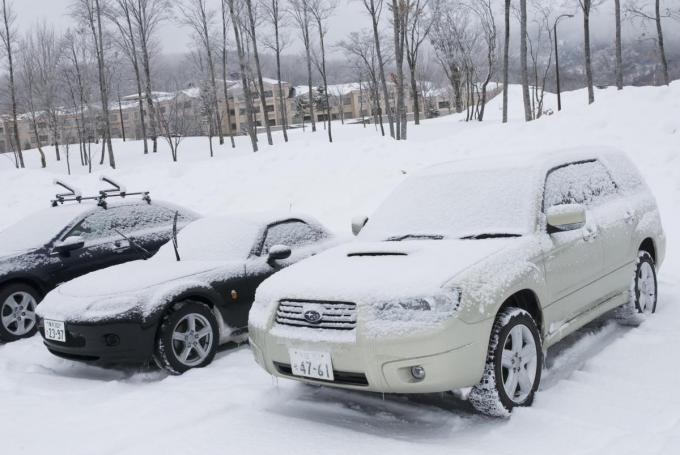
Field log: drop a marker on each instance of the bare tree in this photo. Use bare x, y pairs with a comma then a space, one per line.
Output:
225, 53
126, 39
417, 30
540, 44
77, 66
321, 11
619, 52
400, 12
506, 59
299, 12
586, 8
200, 18
523, 59
274, 14
28, 75
177, 120
147, 15
637, 10
361, 46
374, 9
7, 34
90, 13
444, 36
484, 9
238, 38
263, 101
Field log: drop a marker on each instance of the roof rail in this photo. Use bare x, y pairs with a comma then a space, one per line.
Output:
116, 190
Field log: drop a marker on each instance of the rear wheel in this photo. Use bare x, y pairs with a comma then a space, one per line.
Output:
643, 292
513, 366
17, 312
187, 338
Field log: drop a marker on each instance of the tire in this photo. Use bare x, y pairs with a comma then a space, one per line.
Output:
643, 292
187, 338
17, 311
493, 396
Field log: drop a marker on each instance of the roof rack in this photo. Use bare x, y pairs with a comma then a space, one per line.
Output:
116, 190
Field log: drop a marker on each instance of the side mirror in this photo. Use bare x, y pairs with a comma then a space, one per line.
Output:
278, 252
69, 244
358, 223
566, 217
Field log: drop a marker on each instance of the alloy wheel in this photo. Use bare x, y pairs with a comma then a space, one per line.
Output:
192, 339
18, 313
519, 361
646, 284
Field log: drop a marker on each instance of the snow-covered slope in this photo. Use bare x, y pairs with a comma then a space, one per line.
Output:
608, 390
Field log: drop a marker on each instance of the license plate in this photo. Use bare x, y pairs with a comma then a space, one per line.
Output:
311, 364
55, 330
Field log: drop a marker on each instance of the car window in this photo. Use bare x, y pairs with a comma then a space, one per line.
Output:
103, 224
585, 183
291, 233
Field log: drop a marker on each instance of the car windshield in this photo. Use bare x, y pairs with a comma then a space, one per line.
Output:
472, 204
212, 239
38, 229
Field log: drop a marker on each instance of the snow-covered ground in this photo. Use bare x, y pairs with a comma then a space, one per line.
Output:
606, 390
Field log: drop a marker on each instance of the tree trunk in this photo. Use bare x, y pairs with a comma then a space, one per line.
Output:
12, 88
213, 81
523, 60
138, 78
399, 57
309, 71
619, 53
325, 79
102, 84
414, 95
506, 58
258, 67
282, 101
244, 78
586, 50
120, 114
662, 50
381, 66
224, 74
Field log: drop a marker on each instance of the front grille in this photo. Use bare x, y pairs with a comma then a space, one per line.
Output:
334, 315
341, 377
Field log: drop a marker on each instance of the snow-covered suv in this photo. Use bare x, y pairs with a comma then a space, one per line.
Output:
464, 276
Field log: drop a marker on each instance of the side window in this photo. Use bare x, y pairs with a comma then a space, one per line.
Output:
291, 233
98, 225
585, 183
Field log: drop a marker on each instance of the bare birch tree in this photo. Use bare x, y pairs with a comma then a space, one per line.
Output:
28, 75
417, 31
523, 60
506, 59
400, 11
374, 9
299, 12
586, 8
619, 52
276, 44
8, 36
444, 39
225, 54
321, 11
637, 10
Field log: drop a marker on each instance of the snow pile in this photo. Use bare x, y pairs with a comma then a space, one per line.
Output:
606, 390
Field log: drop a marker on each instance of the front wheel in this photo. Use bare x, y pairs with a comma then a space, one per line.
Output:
17, 312
187, 338
513, 366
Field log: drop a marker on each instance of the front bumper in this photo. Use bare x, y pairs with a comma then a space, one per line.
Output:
453, 356
107, 342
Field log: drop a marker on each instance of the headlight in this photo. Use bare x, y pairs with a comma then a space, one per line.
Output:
440, 305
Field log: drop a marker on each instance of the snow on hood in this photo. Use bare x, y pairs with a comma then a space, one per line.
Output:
135, 286
132, 277
374, 271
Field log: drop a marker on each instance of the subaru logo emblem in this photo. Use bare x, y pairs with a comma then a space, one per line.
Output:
312, 316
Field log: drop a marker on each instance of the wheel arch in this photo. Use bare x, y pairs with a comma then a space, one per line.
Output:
648, 246
525, 299
33, 282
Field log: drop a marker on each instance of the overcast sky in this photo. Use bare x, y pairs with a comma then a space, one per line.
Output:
349, 16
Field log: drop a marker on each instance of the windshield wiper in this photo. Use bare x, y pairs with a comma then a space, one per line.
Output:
415, 237
134, 244
490, 235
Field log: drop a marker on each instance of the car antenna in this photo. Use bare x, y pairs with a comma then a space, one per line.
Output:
174, 236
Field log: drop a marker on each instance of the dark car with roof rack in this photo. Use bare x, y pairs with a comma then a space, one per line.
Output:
77, 235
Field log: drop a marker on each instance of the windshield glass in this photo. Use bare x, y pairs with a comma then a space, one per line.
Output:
212, 239
456, 205
38, 229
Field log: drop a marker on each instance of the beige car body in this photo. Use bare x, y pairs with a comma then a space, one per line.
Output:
565, 279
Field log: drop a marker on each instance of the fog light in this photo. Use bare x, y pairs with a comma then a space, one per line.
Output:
418, 372
111, 339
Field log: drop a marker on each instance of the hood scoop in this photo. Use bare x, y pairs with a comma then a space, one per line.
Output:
376, 254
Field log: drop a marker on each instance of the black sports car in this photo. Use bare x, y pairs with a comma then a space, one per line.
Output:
66, 241
177, 307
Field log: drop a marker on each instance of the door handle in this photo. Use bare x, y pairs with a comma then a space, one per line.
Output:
590, 234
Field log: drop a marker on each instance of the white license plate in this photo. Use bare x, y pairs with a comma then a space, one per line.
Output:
55, 330
311, 364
